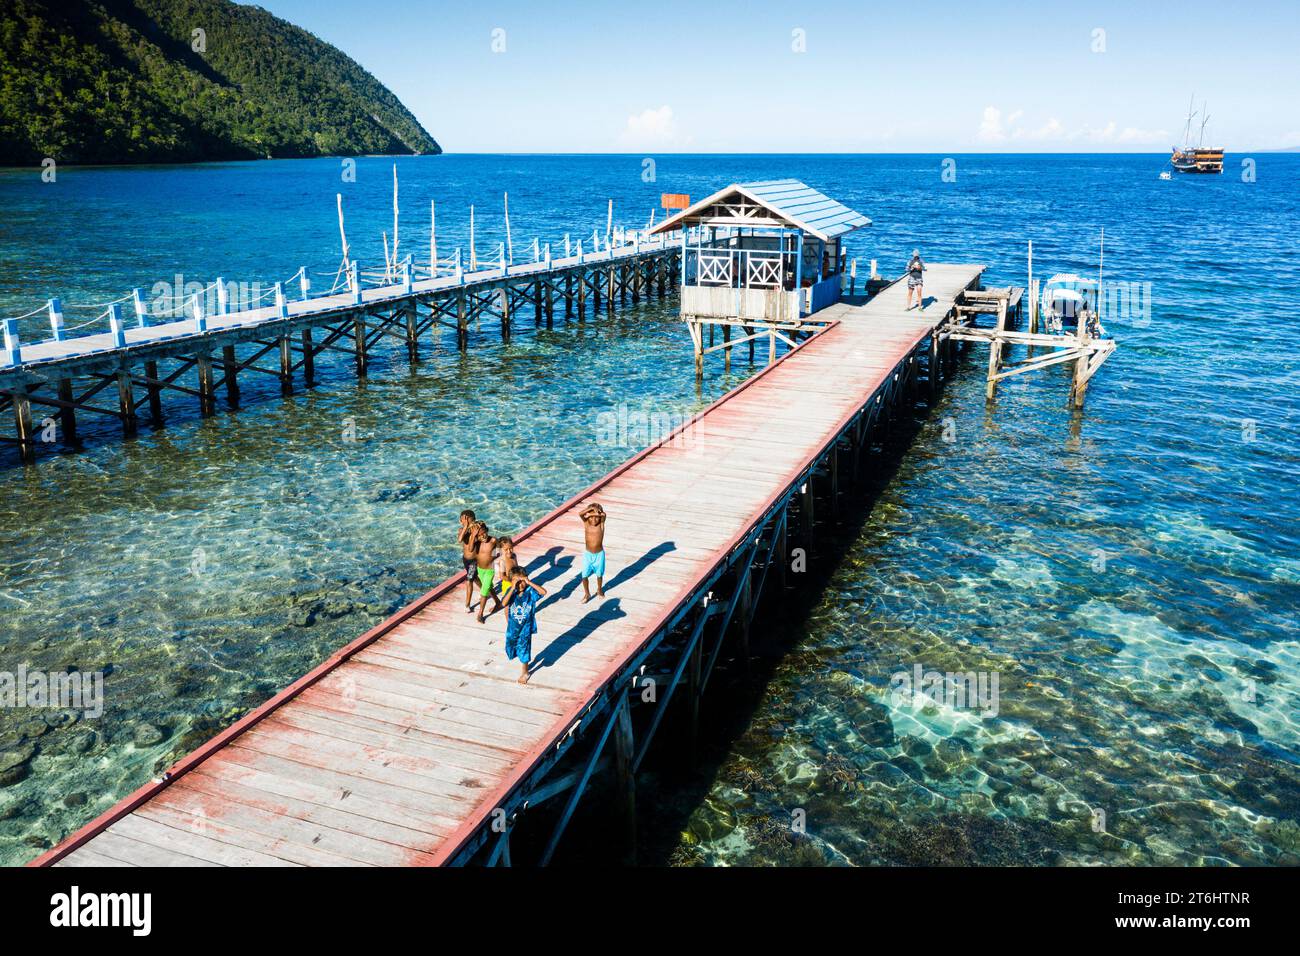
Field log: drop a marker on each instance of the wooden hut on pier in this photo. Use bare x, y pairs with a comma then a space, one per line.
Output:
764, 257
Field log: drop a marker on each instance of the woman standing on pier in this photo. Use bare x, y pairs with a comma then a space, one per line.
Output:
916, 280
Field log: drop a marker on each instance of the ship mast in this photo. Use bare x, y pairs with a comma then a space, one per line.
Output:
1204, 120
1191, 113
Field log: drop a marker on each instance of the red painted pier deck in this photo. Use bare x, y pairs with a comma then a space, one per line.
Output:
399, 748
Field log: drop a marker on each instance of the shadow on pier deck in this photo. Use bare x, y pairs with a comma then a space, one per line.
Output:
415, 745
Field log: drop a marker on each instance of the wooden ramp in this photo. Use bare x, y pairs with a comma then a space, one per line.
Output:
399, 749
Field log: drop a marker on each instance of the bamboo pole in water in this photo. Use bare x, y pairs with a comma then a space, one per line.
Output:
433, 239
393, 264
510, 248
473, 257
343, 236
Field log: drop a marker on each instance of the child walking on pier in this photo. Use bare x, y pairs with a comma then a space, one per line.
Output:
521, 619
484, 557
593, 559
468, 541
504, 565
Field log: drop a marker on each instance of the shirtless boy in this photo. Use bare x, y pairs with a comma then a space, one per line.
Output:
593, 560
504, 566
467, 539
483, 561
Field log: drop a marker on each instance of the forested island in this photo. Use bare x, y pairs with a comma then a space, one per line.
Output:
145, 81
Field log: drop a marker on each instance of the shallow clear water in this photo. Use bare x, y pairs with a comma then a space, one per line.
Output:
1130, 573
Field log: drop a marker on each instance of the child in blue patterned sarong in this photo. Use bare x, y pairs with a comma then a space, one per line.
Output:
521, 618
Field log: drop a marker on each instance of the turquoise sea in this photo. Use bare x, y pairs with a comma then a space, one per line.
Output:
1130, 572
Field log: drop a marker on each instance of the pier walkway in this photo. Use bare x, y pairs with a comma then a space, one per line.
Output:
415, 745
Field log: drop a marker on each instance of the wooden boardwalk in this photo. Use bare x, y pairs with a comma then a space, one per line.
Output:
399, 749
204, 353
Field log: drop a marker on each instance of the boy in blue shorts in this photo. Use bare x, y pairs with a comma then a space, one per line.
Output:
593, 559
521, 618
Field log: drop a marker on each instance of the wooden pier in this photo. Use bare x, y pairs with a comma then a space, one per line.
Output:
201, 356
415, 745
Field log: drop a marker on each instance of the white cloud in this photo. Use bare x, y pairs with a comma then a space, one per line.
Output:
651, 128
994, 128
991, 128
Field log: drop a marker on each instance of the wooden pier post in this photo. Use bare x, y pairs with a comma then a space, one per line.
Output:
505, 313
412, 335
835, 478
549, 293
537, 304
582, 298
308, 359
624, 754
462, 322
746, 611
726, 347
359, 342
1083, 339
286, 366
934, 372
154, 391
126, 402
693, 699
807, 516
568, 296
23, 424
231, 369
610, 290
68, 413
207, 391
783, 544
995, 352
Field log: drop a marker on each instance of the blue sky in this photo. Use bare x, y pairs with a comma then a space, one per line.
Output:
903, 76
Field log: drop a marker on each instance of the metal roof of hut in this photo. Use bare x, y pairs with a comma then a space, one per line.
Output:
775, 203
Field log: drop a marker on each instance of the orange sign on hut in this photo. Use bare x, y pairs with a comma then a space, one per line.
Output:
675, 201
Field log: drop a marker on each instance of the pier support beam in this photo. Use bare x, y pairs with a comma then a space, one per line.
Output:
231, 367
625, 781
995, 353
286, 366
359, 339
308, 359
126, 402
68, 413
154, 391
413, 335
207, 388
23, 424
693, 691
462, 323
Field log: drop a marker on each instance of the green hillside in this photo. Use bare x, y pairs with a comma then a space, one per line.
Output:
119, 81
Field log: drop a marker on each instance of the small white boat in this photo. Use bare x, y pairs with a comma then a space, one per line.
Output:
1067, 298
1166, 175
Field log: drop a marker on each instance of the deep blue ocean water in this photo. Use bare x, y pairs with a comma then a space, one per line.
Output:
1130, 572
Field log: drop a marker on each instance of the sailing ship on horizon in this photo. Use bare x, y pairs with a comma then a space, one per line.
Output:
1199, 158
